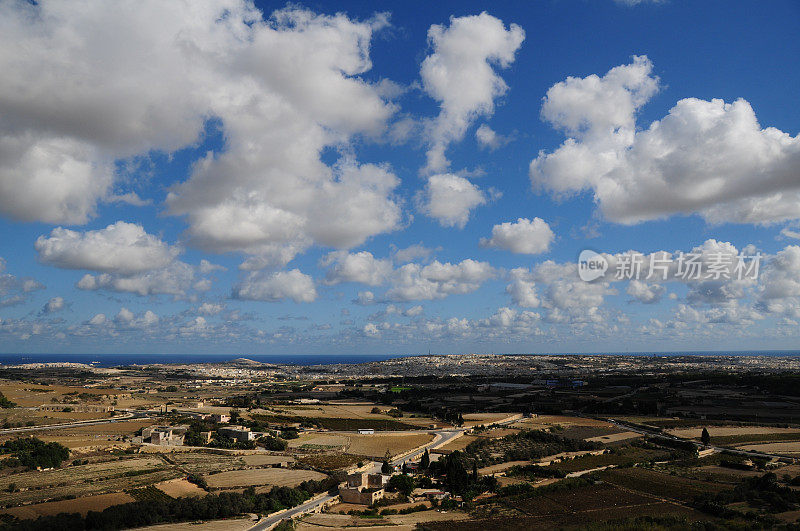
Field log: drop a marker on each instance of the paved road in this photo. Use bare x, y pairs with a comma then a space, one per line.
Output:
308, 506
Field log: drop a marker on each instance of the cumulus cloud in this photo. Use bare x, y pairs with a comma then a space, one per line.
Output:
14, 290
274, 287
523, 288
460, 75
488, 138
54, 305
706, 157
174, 279
644, 292
283, 89
210, 308
449, 199
412, 252
358, 267
438, 280
119, 248
524, 236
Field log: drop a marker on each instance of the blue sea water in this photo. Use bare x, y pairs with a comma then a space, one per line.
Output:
114, 360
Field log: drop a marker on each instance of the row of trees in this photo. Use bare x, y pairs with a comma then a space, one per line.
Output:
150, 512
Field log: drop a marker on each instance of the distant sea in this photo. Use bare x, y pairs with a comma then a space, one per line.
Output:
113, 360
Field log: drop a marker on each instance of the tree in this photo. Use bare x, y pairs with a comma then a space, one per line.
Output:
474, 471
402, 483
425, 462
386, 468
705, 438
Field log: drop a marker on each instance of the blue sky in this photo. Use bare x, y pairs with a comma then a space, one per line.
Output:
328, 178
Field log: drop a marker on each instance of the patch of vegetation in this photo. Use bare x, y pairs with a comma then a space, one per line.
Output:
35, 453
5, 403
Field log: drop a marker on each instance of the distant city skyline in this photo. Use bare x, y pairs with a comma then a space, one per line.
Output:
307, 179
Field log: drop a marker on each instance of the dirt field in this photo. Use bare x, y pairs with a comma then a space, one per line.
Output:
726, 431
543, 421
180, 488
78, 505
615, 437
352, 410
792, 447
376, 445
367, 445
280, 477
460, 443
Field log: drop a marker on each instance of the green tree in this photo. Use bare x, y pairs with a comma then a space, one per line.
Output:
386, 468
425, 462
705, 438
402, 483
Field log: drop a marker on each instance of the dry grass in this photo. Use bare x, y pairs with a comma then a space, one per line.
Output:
79, 505
792, 447
459, 443
231, 524
377, 445
280, 477
543, 421
180, 488
727, 431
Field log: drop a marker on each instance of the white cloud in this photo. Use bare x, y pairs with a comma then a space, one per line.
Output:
460, 75
525, 236
14, 290
53, 305
644, 292
523, 288
357, 267
412, 252
438, 280
488, 138
273, 287
134, 78
209, 308
119, 248
449, 199
175, 279
207, 267
706, 157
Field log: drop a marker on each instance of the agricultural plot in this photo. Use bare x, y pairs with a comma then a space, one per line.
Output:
330, 462
117, 484
767, 432
377, 445
279, 477
782, 448
615, 437
205, 463
660, 484
80, 505
626, 456
180, 488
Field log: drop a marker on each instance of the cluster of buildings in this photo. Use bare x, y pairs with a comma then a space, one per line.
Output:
363, 488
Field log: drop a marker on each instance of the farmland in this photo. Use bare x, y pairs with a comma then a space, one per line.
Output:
279, 477
78, 505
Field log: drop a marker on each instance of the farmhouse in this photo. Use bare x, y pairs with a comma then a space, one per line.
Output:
164, 435
238, 433
363, 488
